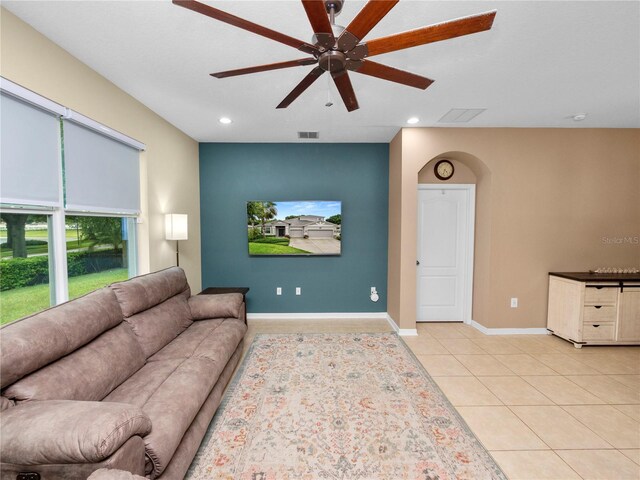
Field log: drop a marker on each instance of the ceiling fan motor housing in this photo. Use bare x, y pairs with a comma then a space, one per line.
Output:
332, 61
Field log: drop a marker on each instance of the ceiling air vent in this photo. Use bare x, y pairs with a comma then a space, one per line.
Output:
309, 135
461, 115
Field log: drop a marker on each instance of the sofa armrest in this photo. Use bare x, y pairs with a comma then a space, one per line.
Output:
224, 305
67, 431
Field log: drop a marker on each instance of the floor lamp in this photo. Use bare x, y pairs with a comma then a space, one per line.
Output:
175, 228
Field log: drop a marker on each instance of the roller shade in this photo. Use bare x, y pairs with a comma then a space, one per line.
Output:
29, 154
101, 174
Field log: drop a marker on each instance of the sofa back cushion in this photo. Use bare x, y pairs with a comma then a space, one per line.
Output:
155, 305
33, 342
90, 373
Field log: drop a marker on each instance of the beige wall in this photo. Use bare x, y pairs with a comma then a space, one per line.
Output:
394, 282
169, 166
461, 172
546, 199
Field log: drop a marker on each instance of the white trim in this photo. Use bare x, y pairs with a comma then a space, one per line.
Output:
98, 127
29, 96
22, 204
403, 332
508, 331
471, 225
84, 210
408, 332
61, 281
26, 209
317, 316
393, 324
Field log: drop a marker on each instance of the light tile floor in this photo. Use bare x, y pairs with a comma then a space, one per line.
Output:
543, 409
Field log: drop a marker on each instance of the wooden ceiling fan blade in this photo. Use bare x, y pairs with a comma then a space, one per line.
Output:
301, 87
343, 82
317, 14
393, 74
431, 33
364, 21
265, 68
246, 25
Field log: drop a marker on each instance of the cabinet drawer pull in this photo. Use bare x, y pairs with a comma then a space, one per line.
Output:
596, 326
598, 306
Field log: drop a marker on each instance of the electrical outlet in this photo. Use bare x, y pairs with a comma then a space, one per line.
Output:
279, 291
514, 302
298, 291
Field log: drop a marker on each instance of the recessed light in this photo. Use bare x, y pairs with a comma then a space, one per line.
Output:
413, 120
225, 120
579, 117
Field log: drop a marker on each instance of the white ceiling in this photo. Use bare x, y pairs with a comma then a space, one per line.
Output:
540, 64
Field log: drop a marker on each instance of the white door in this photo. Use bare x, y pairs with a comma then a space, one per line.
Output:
445, 252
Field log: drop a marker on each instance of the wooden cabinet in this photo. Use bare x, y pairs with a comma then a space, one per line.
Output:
594, 309
629, 315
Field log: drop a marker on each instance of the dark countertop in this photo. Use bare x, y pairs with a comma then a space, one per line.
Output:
598, 277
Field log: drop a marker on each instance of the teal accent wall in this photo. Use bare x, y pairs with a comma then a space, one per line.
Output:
355, 174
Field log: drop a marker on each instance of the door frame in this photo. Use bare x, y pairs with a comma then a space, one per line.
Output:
467, 300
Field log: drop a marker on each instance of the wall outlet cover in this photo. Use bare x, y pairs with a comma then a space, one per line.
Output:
298, 291
279, 291
514, 302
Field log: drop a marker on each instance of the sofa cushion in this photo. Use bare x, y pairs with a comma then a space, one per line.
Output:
225, 305
146, 291
62, 431
215, 339
33, 342
89, 373
175, 382
171, 393
157, 326
142, 385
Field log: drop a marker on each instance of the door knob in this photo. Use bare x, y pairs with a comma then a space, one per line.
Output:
417, 262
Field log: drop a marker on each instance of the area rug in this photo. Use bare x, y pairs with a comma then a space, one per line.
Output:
338, 407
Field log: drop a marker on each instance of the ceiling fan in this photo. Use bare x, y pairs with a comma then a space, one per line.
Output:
338, 50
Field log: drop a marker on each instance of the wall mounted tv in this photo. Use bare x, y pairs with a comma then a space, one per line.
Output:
301, 228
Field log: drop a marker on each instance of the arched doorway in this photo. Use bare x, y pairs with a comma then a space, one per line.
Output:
446, 246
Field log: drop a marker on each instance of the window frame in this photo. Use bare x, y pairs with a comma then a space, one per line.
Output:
56, 212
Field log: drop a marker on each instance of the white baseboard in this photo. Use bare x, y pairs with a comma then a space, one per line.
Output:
317, 316
408, 332
403, 332
508, 331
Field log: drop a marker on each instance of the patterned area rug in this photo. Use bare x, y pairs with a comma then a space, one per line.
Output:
339, 407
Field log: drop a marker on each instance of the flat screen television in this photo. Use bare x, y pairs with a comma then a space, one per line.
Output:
301, 228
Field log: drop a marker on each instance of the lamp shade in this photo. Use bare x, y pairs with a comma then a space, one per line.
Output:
175, 225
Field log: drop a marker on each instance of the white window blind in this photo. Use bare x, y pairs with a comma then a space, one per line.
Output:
29, 154
101, 174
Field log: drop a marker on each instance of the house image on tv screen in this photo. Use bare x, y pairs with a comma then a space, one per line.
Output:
304, 226
294, 228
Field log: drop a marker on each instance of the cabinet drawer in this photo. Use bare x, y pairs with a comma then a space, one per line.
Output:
598, 331
600, 296
599, 314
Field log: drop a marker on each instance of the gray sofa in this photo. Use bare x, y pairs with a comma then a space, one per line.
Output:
127, 377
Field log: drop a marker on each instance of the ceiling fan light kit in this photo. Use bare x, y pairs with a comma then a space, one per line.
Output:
338, 50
